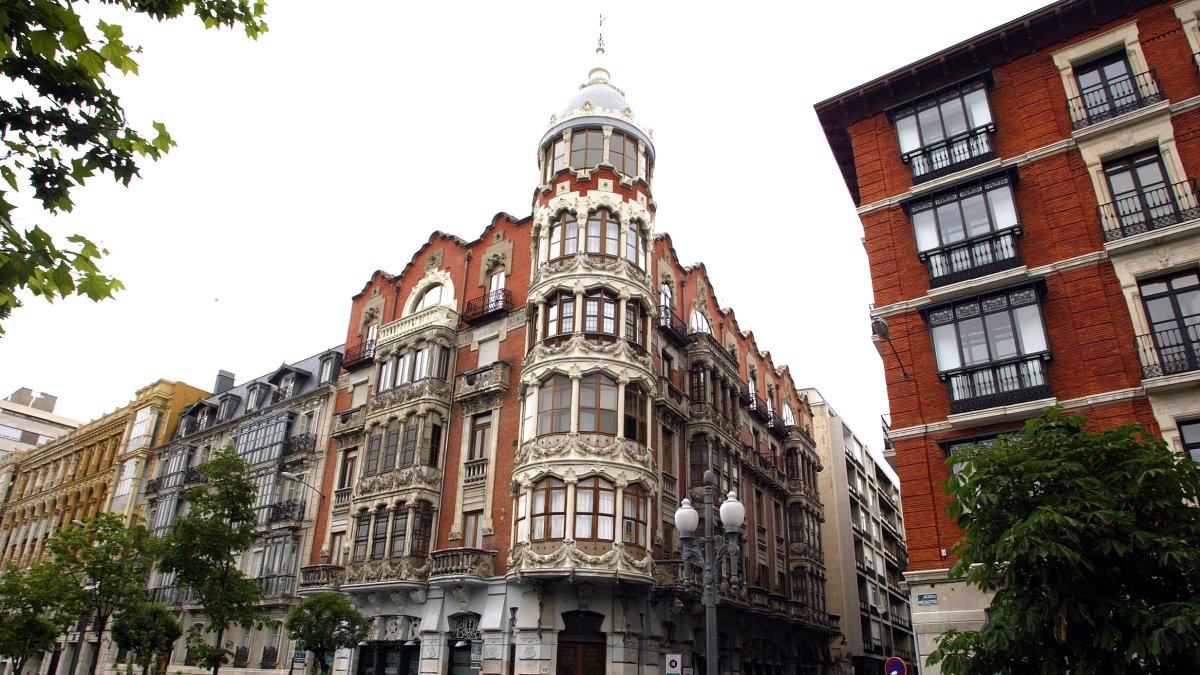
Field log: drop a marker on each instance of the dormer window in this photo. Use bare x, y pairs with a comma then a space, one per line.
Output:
328, 370
226, 408
257, 397
286, 385
202, 419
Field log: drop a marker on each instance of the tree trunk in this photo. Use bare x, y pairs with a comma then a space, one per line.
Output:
18, 664
321, 662
101, 624
220, 640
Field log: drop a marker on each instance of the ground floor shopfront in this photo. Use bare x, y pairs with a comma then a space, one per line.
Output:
562, 627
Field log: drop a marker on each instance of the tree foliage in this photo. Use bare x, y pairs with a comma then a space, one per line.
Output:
36, 605
325, 623
106, 563
148, 631
61, 124
203, 549
1090, 542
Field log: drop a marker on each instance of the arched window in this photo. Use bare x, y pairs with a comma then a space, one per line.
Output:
666, 296
598, 405
635, 323
600, 312
699, 322
554, 406
560, 314
595, 510
399, 529
587, 148
432, 297
564, 236
635, 413
789, 418
603, 234
635, 245
752, 383
549, 510
635, 516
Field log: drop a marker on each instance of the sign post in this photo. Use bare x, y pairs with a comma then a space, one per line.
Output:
895, 666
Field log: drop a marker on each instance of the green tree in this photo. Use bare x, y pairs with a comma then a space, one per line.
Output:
148, 631
325, 623
36, 606
107, 564
202, 551
61, 124
1090, 543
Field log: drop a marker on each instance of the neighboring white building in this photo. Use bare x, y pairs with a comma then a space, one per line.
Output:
27, 420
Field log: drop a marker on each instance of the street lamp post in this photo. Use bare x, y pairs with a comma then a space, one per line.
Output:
291, 476
709, 555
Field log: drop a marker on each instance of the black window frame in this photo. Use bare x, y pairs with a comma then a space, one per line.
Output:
973, 145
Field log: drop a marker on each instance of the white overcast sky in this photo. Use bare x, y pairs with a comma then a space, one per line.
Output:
337, 142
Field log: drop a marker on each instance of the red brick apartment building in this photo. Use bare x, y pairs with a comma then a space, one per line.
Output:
1028, 201
519, 416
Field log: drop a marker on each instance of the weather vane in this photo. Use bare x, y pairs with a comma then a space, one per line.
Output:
600, 38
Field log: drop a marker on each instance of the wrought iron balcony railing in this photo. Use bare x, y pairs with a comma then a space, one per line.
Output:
277, 586
1169, 352
488, 305
976, 258
359, 355
956, 153
672, 325
270, 655
301, 443
1114, 99
241, 657
321, 576
287, 509
1149, 210
153, 485
192, 475
999, 383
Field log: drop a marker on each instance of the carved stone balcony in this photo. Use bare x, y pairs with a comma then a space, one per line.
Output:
341, 498
434, 316
349, 422
457, 563
321, 578
475, 474
401, 569
486, 383
429, 389
669, 397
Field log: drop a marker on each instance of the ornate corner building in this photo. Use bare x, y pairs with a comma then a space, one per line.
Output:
519, 416
1029, 204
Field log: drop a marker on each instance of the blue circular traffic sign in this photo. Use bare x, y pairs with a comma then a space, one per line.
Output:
895, 666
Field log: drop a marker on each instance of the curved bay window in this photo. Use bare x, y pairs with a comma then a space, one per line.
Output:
548, 509
564, 236
555, 159
380, 535
399, 529
635, 413
595, 510
432, 297
635, 516
362, 529
559, 315
635, 245
623, 154
554, 406
598, 405
603, 234
587, 148
635, 323
422, 530
600, 313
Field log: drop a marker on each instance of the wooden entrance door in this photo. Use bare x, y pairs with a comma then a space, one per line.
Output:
581, 658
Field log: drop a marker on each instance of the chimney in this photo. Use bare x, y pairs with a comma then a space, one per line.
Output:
224, 382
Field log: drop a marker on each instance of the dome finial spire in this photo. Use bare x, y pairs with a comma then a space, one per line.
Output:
599, 73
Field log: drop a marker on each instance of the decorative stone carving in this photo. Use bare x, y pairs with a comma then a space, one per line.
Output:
576, 445
580, 346
393, 629
569, 558
428, 388
413, 476
434, 259
392, 569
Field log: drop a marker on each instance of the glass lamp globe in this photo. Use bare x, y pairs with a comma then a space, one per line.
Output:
733, 512
686, 518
